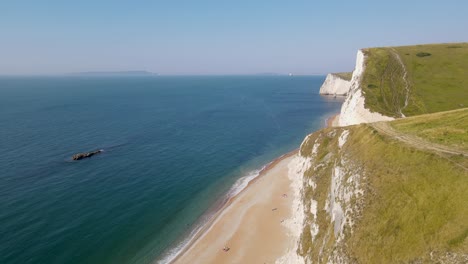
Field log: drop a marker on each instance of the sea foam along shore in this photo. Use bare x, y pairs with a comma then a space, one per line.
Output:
284, 174
204, 222
353, 111
211, 217
291, 221
250, 224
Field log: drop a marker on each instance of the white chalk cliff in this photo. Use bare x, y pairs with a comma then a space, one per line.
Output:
337, 189
353, 110
335, 85
313, 164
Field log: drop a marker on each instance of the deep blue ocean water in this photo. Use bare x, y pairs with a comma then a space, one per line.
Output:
173, 146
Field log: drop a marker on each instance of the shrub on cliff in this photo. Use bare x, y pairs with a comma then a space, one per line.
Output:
423, 54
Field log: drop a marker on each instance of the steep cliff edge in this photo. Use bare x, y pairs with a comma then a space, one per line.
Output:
380, 190
396, 82
353, 110
336, 84
371, 197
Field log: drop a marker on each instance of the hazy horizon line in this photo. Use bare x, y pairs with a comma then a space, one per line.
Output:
149, 74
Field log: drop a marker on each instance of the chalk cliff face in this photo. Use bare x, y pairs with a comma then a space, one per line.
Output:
362, 201
358, 202
332, 196
335, 85
353, 110
333, 183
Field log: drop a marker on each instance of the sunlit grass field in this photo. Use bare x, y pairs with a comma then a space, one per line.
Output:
436, 77
448, 128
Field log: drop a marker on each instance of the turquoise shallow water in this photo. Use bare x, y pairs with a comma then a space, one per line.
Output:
173, 146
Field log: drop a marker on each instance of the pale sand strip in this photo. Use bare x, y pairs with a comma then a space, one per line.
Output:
333, 121
248, 225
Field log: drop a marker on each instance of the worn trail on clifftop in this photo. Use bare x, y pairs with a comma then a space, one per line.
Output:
405, 80
418, 143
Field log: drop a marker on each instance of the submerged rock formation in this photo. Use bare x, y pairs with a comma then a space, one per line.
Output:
85, 155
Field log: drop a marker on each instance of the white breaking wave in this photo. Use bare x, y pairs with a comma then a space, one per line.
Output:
236, 188
243, 182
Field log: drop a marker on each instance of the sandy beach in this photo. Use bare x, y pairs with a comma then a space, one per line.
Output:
251, 224
333, 121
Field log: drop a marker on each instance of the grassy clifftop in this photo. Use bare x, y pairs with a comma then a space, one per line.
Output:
394, 192
344, 75
414, 80
447, 128
370, 196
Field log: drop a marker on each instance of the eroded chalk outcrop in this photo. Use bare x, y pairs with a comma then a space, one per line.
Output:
332, 197
353, 110
335, 84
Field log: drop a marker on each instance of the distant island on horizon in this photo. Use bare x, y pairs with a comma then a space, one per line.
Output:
115, 73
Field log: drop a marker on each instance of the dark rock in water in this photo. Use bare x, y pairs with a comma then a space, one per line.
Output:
79, 156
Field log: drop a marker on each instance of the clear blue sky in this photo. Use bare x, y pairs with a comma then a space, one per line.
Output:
214, 37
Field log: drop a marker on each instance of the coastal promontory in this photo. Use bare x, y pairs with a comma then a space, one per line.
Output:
388, 184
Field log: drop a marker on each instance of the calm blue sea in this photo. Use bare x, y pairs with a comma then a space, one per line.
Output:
173, 146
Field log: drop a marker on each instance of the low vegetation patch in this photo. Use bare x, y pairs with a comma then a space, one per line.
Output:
423, 54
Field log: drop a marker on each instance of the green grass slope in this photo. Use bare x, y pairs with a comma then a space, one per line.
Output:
433, 76
344, 75
448, 128
413, 207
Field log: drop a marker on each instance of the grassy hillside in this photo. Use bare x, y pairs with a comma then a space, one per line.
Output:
401, 204
448, 128
433, 76
344, 75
